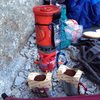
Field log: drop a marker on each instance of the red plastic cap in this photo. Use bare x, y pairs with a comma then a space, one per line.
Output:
46, 9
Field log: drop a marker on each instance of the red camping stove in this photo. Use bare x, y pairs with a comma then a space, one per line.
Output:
45, 18
47, 61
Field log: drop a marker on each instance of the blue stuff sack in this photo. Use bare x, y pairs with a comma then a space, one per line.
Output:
85, 12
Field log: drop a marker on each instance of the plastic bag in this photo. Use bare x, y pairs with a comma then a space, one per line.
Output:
74, 31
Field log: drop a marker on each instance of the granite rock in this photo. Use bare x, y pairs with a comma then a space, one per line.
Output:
16, 25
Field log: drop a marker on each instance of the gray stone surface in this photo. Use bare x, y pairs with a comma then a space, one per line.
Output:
19, 80
9, 73
16, 25
13, 77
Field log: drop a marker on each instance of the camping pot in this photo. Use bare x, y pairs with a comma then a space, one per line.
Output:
45, 15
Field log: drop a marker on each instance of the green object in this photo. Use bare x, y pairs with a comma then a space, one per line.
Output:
64, 40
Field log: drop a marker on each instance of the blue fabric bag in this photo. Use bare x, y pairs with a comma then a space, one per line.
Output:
86, 12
